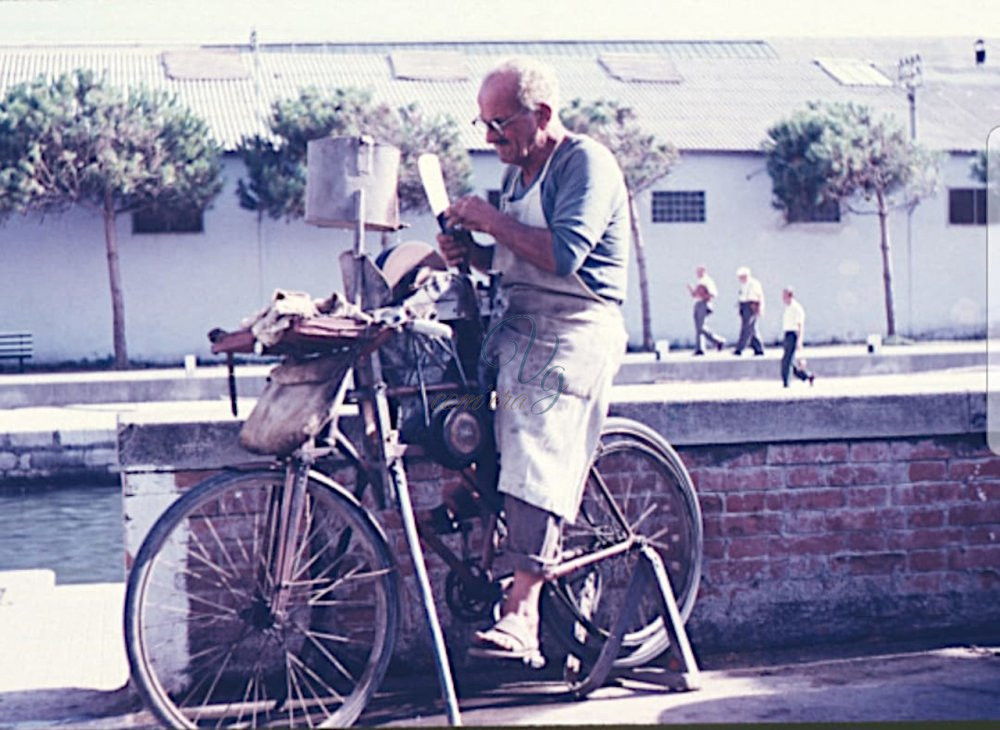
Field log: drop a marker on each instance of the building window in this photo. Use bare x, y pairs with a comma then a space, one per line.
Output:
967, 206
168, 220
678, 206
826, 212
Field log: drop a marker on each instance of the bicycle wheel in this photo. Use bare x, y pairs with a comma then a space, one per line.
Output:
209, 645
638, 484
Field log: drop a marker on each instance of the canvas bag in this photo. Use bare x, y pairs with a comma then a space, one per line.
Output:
297, 402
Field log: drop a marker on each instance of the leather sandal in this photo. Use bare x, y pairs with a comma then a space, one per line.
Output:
510, 629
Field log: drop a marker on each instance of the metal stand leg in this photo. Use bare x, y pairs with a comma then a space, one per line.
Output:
682, 673
369, 374
426, 595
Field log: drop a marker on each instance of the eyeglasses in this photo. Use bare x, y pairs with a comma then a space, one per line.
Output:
497, 125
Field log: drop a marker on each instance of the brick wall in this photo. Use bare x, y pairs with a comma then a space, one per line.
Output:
807, 541
838, 540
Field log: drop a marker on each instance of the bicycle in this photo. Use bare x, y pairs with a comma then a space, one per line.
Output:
268, 594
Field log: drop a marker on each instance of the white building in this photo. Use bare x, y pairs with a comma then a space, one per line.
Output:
713, 100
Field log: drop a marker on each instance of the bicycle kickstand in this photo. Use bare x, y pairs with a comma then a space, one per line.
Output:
681, 673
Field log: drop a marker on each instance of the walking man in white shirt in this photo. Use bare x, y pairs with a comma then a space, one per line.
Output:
703, 292
793, 323
751, 305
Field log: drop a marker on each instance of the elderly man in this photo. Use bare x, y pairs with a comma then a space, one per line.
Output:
751, 304
557, 336
703, 292
793, 322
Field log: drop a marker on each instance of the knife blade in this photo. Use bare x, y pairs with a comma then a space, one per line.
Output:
431, 177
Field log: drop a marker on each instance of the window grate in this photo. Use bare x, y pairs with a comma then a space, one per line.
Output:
967, 206
678, 206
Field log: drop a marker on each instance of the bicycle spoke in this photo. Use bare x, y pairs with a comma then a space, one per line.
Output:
288, 695
206, 602
330, 658
203, 556
218, 675
315, 558
336, 638
295, 682
334, 693
352, 576
343, 604
234, 592
304, 531
222, 548
642, 517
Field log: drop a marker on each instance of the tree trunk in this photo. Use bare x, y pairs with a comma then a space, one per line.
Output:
640, 263
115, 279
883, 223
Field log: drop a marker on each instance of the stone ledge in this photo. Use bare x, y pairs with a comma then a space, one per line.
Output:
145, 441
758, 421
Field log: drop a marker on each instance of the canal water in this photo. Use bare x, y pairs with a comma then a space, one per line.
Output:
74, 530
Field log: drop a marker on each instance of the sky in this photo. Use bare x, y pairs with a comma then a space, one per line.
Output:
230, 21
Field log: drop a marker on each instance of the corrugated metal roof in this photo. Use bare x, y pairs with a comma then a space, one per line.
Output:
731, 91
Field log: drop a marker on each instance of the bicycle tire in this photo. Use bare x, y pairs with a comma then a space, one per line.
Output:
203, 645
651, 487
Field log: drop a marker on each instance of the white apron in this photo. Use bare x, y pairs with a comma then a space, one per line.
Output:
557, 345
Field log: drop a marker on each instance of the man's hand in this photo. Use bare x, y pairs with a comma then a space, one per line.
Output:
474, 214
454, 252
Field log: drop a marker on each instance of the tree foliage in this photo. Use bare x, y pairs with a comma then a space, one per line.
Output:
984, 169
798, 162
76, 140
644, 161
876, 160
840, 151
276, 163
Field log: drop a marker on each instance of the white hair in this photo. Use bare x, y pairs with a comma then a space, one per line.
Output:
536, 81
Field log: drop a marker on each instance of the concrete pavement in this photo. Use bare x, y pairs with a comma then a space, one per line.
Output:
64, 665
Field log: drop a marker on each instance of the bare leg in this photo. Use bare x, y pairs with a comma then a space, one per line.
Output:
522, 599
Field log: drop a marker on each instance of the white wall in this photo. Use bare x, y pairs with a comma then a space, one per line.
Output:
835, 267
177, 287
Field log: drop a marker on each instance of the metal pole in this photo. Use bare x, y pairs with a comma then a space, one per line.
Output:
426, 594
912, 97
910, 76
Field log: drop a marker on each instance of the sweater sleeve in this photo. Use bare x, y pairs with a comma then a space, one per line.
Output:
587, 188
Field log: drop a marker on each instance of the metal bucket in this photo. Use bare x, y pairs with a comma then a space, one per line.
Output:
338, 167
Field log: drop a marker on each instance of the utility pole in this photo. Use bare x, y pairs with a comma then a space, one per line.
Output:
911, 77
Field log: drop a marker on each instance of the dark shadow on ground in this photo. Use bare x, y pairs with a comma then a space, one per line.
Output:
71, 704
906, 689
